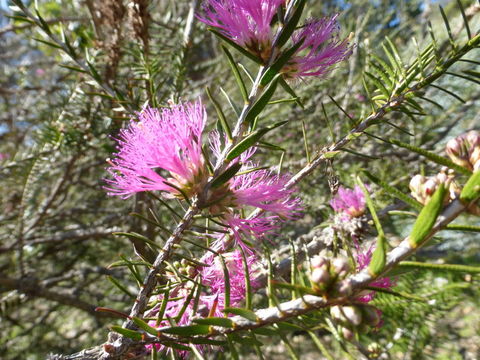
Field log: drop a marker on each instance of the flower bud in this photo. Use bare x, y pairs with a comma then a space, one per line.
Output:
341, 266
353, 315
320, 276
343, 288
336, 313
318, 261
475, 159
374, 350
464, 150
350, 315
347, 333
423, 188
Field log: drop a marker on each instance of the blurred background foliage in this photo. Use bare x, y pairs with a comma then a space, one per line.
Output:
56, 129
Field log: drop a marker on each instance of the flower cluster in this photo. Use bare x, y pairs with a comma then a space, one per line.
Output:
464, 150
423, 188
163, 151
350, 202
248, 23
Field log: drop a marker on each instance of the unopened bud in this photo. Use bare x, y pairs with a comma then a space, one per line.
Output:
320, 276
461, 149
347, 333
423, 188
318, 261
353, 315
475, 159
341, 266
336, 313
343, 288
374, 350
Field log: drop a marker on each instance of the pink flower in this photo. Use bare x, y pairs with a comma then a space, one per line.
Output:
213, 278
363, 260
348, 201
212, 299
320, 50
258, 189
265, 190
164, 147
3, 156
246, 22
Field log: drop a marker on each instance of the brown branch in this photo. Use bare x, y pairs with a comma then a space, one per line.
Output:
12, 27
33, 288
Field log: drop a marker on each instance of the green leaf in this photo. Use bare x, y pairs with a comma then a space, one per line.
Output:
236, 73
459, 227
49, 43
226, 175
220, 114
393, 191
378, 84
447, 26
215, 321
236, 46
262, 102
265, 331
290, 27
204, 341
432, 156
144, 326
396, 293
120, 286
131, 334
75, 68
299, 288
371, 207
226, 274
379, 257
245, 313
449, 93
248, 285
427, 217
471, 190
291, 92
138, 237
442, 267
277, 66
190, 330
251, 140
245, 340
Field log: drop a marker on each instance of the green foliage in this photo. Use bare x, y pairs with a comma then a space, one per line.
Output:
416, 81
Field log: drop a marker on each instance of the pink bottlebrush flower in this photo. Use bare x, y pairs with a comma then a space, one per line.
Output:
167, 141
320, 50
246, 22
349, 201
363, 260
213, 278
265, 190
257, 189
3, 156
246, 231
